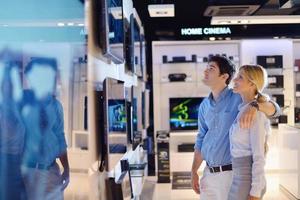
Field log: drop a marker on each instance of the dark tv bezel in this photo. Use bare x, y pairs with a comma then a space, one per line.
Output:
129, 45
139, 48
101, 20
104, 141
182, 129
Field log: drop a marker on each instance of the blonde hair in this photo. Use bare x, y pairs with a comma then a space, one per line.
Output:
259, 77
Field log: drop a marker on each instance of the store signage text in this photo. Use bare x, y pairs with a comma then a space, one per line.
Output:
206, 31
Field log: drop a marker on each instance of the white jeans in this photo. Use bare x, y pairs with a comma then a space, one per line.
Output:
43, 184
215, 186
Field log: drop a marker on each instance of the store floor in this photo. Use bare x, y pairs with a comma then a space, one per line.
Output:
78, 190
79, 187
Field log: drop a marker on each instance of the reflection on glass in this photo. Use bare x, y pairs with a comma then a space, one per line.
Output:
36, 61
45, 139
12, 131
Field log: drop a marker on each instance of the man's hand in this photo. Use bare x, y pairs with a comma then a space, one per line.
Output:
253, 198
195, 182
247, 117
65, 179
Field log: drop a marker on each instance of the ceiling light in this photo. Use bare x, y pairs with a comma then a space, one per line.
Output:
276, 37
161, 10
265, 19
70, 24
60, 24
80, 24
227, 38
212, 38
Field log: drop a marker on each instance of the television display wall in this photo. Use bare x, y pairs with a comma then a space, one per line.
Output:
184, 113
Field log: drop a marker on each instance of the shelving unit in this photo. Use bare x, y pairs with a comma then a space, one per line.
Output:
193, 66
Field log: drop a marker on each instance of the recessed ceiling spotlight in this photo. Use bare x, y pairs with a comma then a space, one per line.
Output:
80, 24
60, 24
227, 38
161, 10
212, 38
220, 38
276, 37
70, 24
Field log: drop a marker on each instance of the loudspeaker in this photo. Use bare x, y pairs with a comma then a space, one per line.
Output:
165, 59
194, 58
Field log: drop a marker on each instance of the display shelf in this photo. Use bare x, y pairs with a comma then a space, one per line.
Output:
183, 133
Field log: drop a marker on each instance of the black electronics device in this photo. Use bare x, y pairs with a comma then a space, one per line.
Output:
186, 147
177, 77
279, 99
179, 59
270, 61
275, 81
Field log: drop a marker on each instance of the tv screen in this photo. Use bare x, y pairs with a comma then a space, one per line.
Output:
184, 113
117, 115
137, 49
109, 27
114, 120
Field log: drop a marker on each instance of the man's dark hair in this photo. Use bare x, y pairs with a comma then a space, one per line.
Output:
50, 62
225, 66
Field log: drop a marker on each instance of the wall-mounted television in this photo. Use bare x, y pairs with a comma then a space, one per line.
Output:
137, 31
137, 124
109, 25
111, 120
129, 45
184, 113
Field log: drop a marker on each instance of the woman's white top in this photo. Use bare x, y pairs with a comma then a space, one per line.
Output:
251, 142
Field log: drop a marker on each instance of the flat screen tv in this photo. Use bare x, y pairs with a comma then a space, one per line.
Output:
137, 49
111, 123
117, 115
108, 21
184, 113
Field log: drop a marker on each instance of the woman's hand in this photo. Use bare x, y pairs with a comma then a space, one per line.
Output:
253, 198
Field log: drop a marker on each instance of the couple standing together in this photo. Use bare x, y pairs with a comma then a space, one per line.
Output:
233, 129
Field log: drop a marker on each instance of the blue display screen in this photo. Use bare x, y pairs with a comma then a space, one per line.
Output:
184, 113
117, 115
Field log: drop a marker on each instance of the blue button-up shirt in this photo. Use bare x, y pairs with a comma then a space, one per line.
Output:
44, 146
214, 120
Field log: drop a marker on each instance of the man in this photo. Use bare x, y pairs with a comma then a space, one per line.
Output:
45, 141
217, 112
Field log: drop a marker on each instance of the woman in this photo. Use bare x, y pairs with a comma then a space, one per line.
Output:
247, 146
12, 133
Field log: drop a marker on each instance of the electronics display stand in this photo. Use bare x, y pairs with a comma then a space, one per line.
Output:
163, 157
274, 67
